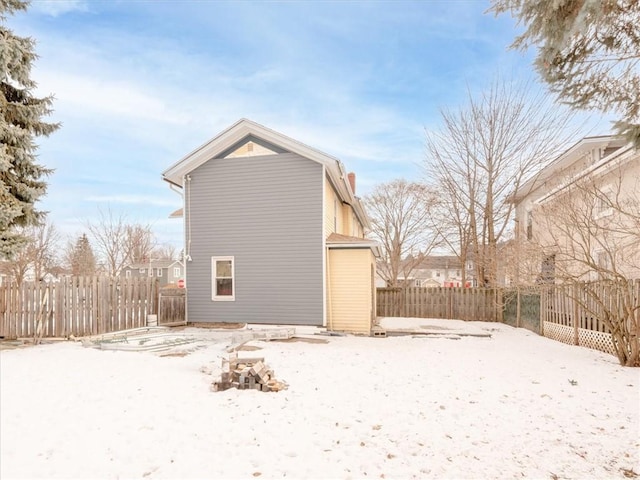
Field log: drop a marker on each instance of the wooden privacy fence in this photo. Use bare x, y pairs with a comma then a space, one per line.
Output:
172, 306
483, 304
76, 306
575, 313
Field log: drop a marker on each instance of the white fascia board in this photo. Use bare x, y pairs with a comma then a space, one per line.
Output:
373, 246
561, 162
607, 164
235, 133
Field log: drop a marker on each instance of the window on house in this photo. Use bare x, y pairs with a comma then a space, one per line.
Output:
223, 280
457, 273
176, 272
603, 260
529, 226
151, 272
548, 269
159, 272
127, 273
604, 205
438, 273
142, 270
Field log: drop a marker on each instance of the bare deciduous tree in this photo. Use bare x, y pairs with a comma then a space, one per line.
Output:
165, 251
592, 232
401, 220
38, 256
480, 156
140, 243
118, 242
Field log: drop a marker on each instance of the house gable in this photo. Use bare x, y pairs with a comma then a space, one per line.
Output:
232, 142
251, 146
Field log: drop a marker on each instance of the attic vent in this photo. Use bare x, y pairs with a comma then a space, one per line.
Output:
250, 147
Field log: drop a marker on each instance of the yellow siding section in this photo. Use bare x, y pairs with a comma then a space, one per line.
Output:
332, 211
338, 217
350, 290
347, 221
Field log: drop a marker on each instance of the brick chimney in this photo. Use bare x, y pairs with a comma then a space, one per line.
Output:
352, 181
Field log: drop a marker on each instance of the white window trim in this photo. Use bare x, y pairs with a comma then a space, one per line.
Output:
176, 272
223, 298
607, 211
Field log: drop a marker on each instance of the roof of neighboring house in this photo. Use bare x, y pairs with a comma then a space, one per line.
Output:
177, 213
611, 146
154, 264
244, 128
431, 262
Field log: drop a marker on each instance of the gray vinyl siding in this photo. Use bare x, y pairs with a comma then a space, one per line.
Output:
266, 212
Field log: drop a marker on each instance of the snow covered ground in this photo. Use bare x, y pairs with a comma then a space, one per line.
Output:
511, 406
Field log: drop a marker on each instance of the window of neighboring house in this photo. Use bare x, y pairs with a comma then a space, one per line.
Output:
529, 226
158, 272
127, 273
142, 270
223, 280
457, 273
602, 258
603, 206
438, 273
151, 272
176, 272
548, 269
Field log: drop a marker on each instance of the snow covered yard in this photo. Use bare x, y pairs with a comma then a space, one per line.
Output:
515, 405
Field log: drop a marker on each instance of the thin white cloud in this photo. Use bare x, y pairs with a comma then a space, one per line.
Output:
91, 95
133, 199
56, 8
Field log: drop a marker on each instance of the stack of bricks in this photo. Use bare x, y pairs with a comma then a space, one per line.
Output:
247, 374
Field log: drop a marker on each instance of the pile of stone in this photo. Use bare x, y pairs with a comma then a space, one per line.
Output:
247, 374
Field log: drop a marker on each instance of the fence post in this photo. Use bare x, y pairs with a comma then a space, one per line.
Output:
576, 319
543, 309
518, 307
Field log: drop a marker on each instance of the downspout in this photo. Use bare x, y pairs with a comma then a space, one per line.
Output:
187, 252
329, 294
187, 218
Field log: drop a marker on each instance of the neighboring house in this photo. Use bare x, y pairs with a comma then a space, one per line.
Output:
443, 271
439, 271
274, 234
167, 272
567, 223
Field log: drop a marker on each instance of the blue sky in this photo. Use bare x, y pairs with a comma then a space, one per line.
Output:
139, 84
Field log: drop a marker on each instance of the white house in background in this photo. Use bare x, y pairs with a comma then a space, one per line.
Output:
438, 271
167, 272
587, 176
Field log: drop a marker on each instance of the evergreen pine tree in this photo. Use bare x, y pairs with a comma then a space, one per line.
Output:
588, 53
21, 177
83, 261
